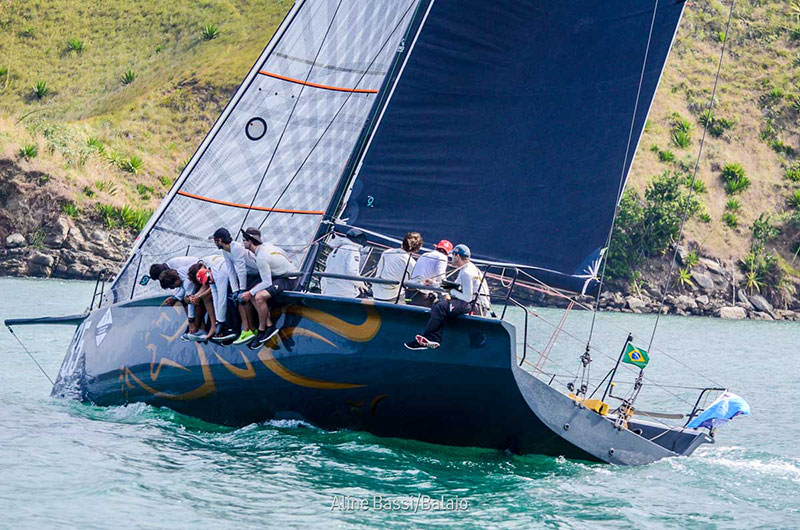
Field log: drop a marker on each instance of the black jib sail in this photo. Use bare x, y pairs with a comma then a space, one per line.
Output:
509, 129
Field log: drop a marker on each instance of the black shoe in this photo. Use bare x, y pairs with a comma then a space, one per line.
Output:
414, 345
262, 337
224, 337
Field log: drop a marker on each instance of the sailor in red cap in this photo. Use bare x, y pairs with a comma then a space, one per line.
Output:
430, 270
211, 278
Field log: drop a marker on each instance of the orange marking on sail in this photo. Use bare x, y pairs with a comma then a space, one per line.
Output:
247, 207
317, 85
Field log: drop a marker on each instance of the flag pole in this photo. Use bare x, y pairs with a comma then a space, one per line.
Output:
619, 360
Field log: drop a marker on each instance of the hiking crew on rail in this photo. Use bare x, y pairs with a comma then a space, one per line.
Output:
258, 272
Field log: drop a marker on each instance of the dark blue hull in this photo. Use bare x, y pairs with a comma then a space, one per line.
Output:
341, 364
347, 369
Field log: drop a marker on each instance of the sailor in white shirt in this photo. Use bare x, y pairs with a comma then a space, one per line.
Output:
430, 270
273, 265
241, 268
174, 274
211, 274
460, 301
345, 258
396, 264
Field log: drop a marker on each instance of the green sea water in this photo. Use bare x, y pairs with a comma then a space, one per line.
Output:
71, 465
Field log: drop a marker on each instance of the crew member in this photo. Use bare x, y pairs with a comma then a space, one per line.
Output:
273, 266
210, 276
396, 264
174, 274
345, 259
460, 301
429, 270
242, 274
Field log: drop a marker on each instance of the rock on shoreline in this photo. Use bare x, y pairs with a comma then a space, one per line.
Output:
64, 251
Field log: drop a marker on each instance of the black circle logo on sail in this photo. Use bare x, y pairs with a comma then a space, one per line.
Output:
256, 128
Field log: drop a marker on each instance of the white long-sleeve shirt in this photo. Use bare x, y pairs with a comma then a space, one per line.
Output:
470, 279
345, 258
271, 260
219, 289
240, 262
430, 266
392, 265
181, 265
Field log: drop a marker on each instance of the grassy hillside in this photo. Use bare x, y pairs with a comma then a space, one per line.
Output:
91, 129
132, 87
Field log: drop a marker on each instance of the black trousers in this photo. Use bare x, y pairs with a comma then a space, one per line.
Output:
419, 298
442, 311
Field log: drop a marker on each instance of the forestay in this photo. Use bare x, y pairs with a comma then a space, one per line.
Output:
508, 129
277, 152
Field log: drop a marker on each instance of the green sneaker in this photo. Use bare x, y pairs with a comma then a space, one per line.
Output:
245, 337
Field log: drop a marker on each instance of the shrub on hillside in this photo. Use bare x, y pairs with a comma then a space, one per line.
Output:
666, 155
71, 209
735, 179
793, 172
763, 231
210, 31
128, 77
75, 45
647, 228
716, 125
132, 164
107, 186
794, 200
681, 139
28, 151
41, 90
730, 219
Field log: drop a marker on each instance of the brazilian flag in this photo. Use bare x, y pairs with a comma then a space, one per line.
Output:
635, 356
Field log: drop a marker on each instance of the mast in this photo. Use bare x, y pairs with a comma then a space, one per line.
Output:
351, 168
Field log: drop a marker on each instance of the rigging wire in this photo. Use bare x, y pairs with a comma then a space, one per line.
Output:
612, 358
694, 174
291, 113
30, 355
330, 123
621, 186
610, 321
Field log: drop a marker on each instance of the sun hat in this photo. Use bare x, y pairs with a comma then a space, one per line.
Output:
462, 250
444, 245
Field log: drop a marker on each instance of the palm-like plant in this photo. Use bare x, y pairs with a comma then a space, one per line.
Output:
685, 277
40, 90
210, 31
128, 77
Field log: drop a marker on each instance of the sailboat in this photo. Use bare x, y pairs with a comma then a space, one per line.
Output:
508, 125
